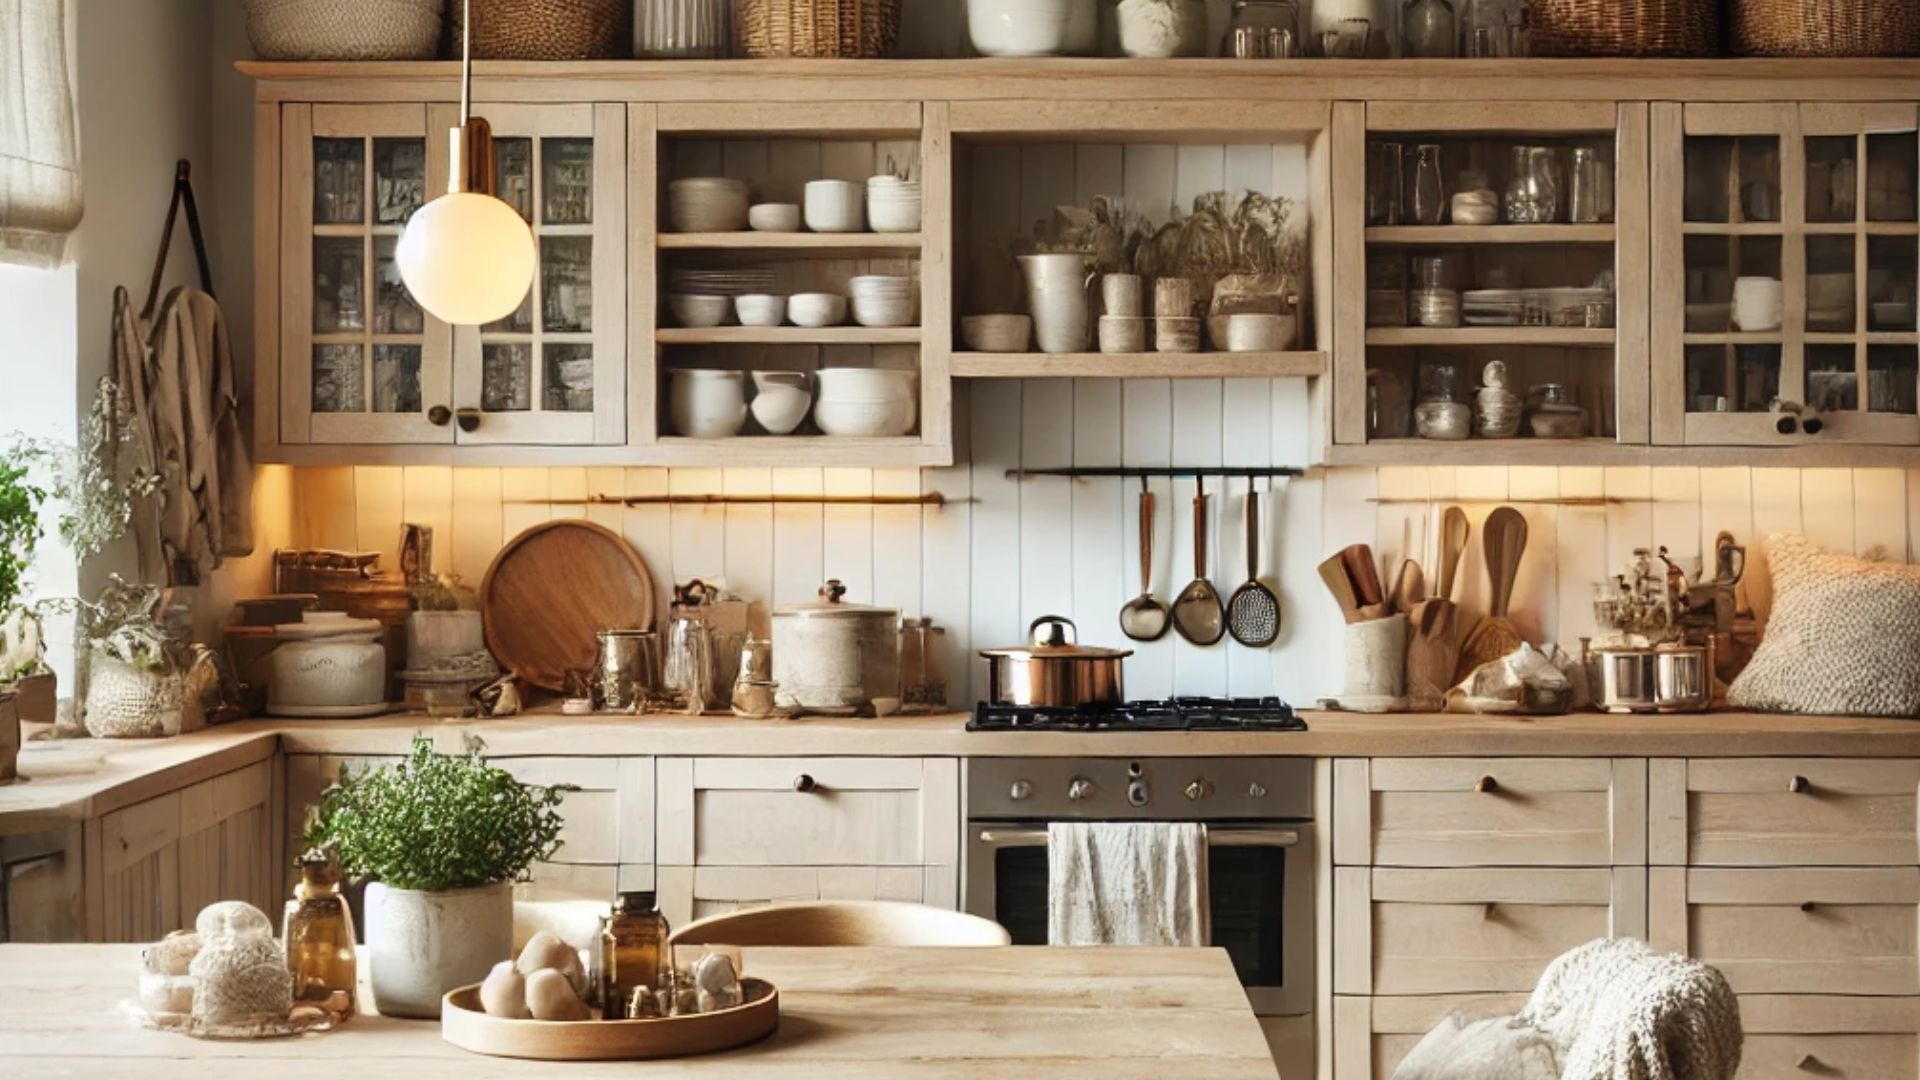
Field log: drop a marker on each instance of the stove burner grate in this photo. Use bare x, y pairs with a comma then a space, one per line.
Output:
1176, 714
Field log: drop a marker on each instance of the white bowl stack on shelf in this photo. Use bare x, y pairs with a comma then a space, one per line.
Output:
866, 402
707, 204
882, 300
893, 204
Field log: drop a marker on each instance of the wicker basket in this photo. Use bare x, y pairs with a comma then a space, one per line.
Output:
128, 702
819, 29
345, 29
546, 29
1824, 27
1624, 27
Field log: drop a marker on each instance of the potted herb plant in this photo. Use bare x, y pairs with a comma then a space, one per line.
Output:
139, 677
23, 666
441, 838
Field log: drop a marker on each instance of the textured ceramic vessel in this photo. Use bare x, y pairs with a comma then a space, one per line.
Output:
422, 944
1057, 299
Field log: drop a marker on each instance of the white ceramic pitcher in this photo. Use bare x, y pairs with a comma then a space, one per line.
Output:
1057, 298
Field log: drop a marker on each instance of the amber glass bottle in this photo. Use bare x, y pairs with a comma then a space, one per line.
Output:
318, 932
633, 951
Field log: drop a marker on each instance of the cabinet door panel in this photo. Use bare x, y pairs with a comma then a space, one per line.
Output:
1494, 812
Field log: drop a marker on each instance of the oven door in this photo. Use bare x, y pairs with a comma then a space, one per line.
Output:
1259, 887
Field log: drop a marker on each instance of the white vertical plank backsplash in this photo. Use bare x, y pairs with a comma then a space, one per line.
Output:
1105, 570
1146, 440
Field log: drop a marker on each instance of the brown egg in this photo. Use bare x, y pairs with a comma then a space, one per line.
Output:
546, 951
504, 993
550, 997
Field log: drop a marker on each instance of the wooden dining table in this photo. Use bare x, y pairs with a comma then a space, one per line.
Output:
845, 1013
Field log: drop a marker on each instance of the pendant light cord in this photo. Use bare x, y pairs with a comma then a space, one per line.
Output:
466, 60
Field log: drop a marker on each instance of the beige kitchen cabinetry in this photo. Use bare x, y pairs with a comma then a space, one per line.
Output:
733, 832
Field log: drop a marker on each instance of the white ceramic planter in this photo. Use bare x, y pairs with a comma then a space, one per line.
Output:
1057, 298
422, 944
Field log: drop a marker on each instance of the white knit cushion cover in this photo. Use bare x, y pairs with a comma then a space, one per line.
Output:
1843, 639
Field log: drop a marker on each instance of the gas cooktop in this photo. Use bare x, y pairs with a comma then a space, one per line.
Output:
1177, 714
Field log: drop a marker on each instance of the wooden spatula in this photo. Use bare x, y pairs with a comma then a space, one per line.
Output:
1364, 574
1433, 651
1454, 530
1493, 637
1333, 571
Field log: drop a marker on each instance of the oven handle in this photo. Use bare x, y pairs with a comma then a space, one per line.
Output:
1216, 837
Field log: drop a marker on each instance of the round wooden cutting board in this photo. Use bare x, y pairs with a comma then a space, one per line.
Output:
552, 589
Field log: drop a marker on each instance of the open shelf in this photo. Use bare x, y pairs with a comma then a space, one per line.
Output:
1578, 336
1154, 365
1602, 233
794, 241
789, 335
775, 450
1520, 450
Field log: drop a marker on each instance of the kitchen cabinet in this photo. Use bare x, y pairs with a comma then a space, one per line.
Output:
43, 886
1784, 271
1783, 812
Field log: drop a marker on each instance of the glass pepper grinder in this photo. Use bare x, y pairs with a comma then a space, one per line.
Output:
318, 932
1429, 28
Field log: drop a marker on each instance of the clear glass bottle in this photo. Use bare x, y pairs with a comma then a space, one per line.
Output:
1429, 28
318, 932
1588, 197
1262, 30
1427, 201
633, 955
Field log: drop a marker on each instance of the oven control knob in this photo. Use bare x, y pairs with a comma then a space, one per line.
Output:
1138, 794
1080, 788
1199, 789
1020, 790
1255, 791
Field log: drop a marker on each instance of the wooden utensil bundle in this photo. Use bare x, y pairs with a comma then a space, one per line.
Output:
1354, 581
1505, 541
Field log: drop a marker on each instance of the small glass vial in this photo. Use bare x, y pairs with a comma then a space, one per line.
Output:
633, 950
318, 932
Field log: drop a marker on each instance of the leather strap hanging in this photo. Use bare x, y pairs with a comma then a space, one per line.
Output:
182, 193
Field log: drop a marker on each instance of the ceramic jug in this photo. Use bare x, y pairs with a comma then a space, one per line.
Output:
1057, 298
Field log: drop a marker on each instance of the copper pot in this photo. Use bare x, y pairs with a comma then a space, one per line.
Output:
1053, 670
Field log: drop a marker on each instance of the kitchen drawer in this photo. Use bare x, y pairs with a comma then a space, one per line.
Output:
695, 892
1399, 931
1372, 1035
590, 817
1490, 812
1806, 931
1783, 812
1798, 1037
808, 812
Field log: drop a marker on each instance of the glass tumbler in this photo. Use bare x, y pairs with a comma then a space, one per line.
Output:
1427, 192
1384, 182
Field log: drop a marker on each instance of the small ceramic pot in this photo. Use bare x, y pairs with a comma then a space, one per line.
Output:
705, 403
835, 206
817, 309
1120, 295
1123, 334
774, 217
1057, 299
1444, 420
831, 655
1176, 335
1757, 304
758, 309
780, 400
707, 204
422, 944
996, 333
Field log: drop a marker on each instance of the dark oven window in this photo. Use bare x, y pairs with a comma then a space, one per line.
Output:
1248, 886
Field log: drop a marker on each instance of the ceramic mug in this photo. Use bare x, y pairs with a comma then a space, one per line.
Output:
1758, 304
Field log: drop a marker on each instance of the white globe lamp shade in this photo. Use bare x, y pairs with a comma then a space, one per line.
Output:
467, 258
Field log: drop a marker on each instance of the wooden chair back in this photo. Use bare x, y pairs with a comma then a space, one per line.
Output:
845, 923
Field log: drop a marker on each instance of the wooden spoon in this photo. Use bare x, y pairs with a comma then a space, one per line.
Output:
1494, 637
1409, 587
1433, 651
1333, 571
1453, 542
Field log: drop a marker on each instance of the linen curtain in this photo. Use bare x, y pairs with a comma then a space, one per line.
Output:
39, 144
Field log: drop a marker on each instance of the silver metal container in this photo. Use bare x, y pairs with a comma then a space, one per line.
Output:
832, 656
1625, 680
627, 674
1683, 678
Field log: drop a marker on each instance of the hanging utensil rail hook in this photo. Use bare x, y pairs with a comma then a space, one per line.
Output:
1150, 471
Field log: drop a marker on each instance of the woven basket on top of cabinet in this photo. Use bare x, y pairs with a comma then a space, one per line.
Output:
1624, 27
1825, 27
842, 29
345, 29
546, 29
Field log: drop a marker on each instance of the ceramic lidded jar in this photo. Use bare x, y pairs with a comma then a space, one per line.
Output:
832, 656
328, 664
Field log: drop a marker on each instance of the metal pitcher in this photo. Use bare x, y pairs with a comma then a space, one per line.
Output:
627, 674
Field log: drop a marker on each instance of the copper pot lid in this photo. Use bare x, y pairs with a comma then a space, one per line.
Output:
1054, 637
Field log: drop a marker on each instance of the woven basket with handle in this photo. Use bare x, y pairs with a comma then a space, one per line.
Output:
1624, 27
345, 29
843, 29
1825, 27
546, 29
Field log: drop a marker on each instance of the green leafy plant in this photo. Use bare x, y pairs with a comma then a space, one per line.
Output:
122, 625
87, 480
436, 821
20, 529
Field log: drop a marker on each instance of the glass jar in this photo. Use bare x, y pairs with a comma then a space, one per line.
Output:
1386, 289
1262, 30
1429, 28
1427, 192
318, 935
1436, 294
633, 956
1386, 165
1589, 194
1533, 196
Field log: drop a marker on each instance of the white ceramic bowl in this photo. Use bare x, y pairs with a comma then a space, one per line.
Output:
698, 310
882, 300
867, 384
760, 309
1256, 332
703, 403
1123, 333
707, 204
835, 206
780, 400
864, 419
996, 333
1032, 27
817, 309
893, 216
774, 217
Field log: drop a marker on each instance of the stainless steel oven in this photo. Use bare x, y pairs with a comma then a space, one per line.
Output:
1259, 816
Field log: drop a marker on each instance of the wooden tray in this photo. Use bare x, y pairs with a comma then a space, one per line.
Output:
552, 589
463, 1024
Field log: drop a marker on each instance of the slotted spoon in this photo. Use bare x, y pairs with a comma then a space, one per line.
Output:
1197, 613
1253, 614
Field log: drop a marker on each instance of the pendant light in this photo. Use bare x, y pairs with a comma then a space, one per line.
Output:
467, 257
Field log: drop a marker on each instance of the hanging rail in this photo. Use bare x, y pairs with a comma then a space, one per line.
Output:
931, 498
1145, 472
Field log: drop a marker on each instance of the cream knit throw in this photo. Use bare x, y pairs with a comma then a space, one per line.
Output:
1620, 1011
1843, 639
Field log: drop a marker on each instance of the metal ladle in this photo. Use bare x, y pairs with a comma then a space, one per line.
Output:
1145, 618
1197, 612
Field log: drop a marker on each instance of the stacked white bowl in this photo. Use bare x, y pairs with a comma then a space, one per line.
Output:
817, 309
893, 204
866, 402
760, 309
707, 204
882, 300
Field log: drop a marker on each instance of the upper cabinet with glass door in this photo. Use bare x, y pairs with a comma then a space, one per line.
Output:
359, 361
1784, 274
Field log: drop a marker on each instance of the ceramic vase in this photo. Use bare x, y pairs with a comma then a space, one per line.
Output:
422, 944
1057, 298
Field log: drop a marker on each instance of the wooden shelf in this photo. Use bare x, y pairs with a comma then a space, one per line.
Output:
789, 335
1202, 365
1521, 450
1810, 228
1491, 234
1573, 336
909, 243
777, 450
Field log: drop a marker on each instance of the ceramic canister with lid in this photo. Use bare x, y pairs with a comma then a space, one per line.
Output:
329, 664
832, 656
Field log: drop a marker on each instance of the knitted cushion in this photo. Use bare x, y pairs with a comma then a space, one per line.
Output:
1844, 637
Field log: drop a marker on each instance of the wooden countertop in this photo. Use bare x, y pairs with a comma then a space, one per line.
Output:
139, 769
846, 1014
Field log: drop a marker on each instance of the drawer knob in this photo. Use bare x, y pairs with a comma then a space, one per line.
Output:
439, 416
804, 783
1808, 906
1486, 785
1809, 1063
1799, 785
1488, 911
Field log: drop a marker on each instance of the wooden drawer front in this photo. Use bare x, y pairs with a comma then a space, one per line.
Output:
590, 829
1785, 812
1472, 931
688, 893
808, 812
1490, 812
1800, 1037
1816, 931
1372, 1035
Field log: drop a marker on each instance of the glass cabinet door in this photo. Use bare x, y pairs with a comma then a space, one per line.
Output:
553, 372
1785, 266
361, 362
